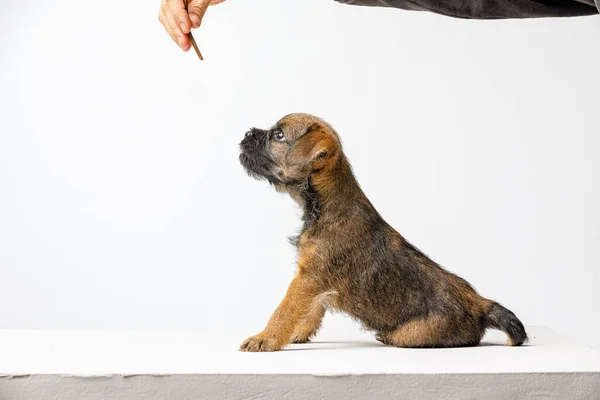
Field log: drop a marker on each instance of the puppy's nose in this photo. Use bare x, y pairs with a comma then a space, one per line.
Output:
249, 133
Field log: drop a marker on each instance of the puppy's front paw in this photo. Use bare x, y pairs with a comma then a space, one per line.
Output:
260, 343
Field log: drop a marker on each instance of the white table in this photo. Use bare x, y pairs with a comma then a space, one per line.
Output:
129, 365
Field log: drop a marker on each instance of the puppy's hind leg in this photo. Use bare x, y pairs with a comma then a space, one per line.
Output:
310, 324
432, 331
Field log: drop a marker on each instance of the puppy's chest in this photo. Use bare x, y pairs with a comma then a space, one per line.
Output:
312, 256
340, 273
332, 264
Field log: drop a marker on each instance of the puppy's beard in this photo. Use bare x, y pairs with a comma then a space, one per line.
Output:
258, 167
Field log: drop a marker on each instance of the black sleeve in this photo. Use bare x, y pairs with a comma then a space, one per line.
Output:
490, 9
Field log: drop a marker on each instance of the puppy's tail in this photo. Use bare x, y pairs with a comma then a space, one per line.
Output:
503, 319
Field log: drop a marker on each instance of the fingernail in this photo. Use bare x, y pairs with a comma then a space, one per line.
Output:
183, 27
195, 20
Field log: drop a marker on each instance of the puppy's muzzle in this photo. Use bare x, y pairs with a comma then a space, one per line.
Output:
254, 155
254, 143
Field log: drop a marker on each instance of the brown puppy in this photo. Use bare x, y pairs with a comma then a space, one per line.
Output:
351, 260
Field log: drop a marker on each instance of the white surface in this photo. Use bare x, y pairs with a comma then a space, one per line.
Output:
122, 204
150, 365
92, 353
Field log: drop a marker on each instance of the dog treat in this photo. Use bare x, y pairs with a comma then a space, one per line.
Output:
191, 37
351, 260
195, 46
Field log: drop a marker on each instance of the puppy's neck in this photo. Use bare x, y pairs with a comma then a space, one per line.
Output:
331, 195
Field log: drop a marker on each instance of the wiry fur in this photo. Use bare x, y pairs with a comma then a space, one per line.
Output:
351, 260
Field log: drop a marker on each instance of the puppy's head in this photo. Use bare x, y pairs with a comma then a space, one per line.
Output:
298, 146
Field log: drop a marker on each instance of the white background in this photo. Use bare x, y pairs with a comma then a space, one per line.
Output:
122, 203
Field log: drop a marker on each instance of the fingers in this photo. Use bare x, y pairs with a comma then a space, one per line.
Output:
197, 9
176, 21
163, 21
176, 9
196, 17
182, 39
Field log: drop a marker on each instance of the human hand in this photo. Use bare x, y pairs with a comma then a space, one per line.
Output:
179, 20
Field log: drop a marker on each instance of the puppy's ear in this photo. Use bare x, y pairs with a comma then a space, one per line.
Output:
315, 147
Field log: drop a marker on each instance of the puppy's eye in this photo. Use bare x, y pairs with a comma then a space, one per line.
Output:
279, 136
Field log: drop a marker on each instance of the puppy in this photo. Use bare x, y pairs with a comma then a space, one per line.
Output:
350, 260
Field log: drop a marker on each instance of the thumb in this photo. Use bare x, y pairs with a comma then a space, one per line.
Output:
196, 10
